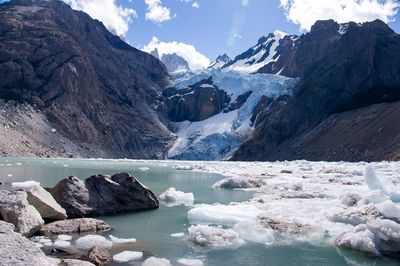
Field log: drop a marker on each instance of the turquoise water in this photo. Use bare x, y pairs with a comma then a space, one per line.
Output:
152, 229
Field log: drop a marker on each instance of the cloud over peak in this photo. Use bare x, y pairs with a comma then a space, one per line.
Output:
115, 17
188, 52
305, 12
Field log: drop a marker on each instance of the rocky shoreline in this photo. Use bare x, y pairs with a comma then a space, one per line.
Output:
37, 224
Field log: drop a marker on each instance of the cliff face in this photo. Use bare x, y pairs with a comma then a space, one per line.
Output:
341, 68
93, 88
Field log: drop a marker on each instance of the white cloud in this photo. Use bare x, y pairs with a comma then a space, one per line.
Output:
196, 5
115, 17
306, 12
156, 12
195, 59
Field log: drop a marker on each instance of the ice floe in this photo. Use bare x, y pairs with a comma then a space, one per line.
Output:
178, 235
190, 262
89, 241
117, 240
235, 183
172, 197
153, 261
213, 237
126, 256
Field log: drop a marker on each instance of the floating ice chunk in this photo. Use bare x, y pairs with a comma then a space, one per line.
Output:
234, 183
349, 199
388, 209
61, 244
183, 167
254, 232
222, 214
64, 237
172, 197
374, 237
213, 237
387, 234
126, 256
143, 169
178, 235
353, 215
374, 196
117, 240
153, 261
25, 184
89, 241
190, 262
361, 239
373, 182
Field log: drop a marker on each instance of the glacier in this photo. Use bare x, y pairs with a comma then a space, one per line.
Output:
217, 137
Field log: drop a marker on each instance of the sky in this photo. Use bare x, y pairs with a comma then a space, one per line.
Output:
204, 29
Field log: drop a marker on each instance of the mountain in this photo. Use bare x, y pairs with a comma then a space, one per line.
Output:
344, 107
266, 52
220, 61
174, 62
83, 84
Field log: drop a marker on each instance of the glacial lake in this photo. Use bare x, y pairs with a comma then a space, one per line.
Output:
153, 229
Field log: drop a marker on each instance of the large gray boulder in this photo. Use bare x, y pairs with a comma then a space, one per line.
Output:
80, 225
15, 209
44, 202
103, 195
17, 250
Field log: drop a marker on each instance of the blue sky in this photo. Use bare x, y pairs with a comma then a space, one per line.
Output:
209, 27
214, 27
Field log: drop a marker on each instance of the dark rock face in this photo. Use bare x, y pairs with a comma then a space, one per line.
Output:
338, 72
196, 103
103, 195
238, 103
262, 106
80, 225
83, 77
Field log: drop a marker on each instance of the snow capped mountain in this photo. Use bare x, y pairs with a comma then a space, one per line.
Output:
220, 61
218, 136
263, 53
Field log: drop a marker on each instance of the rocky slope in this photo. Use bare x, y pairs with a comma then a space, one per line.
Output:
91, 87
342, 68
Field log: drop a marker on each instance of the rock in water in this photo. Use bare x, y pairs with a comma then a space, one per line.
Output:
15, 209
18, 250
74, 226
98, 256
45, 203
103, 195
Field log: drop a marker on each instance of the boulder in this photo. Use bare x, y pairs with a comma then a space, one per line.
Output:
44, 202
103, 195
98, 256
74, 226
74, 262
17, 250
15, 209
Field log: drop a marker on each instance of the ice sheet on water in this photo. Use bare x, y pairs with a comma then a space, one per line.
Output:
255, 232
153, 261
126, 256
172, 197
117, 240
89, 241
235, 183
222, 214
190, 262
213, 237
